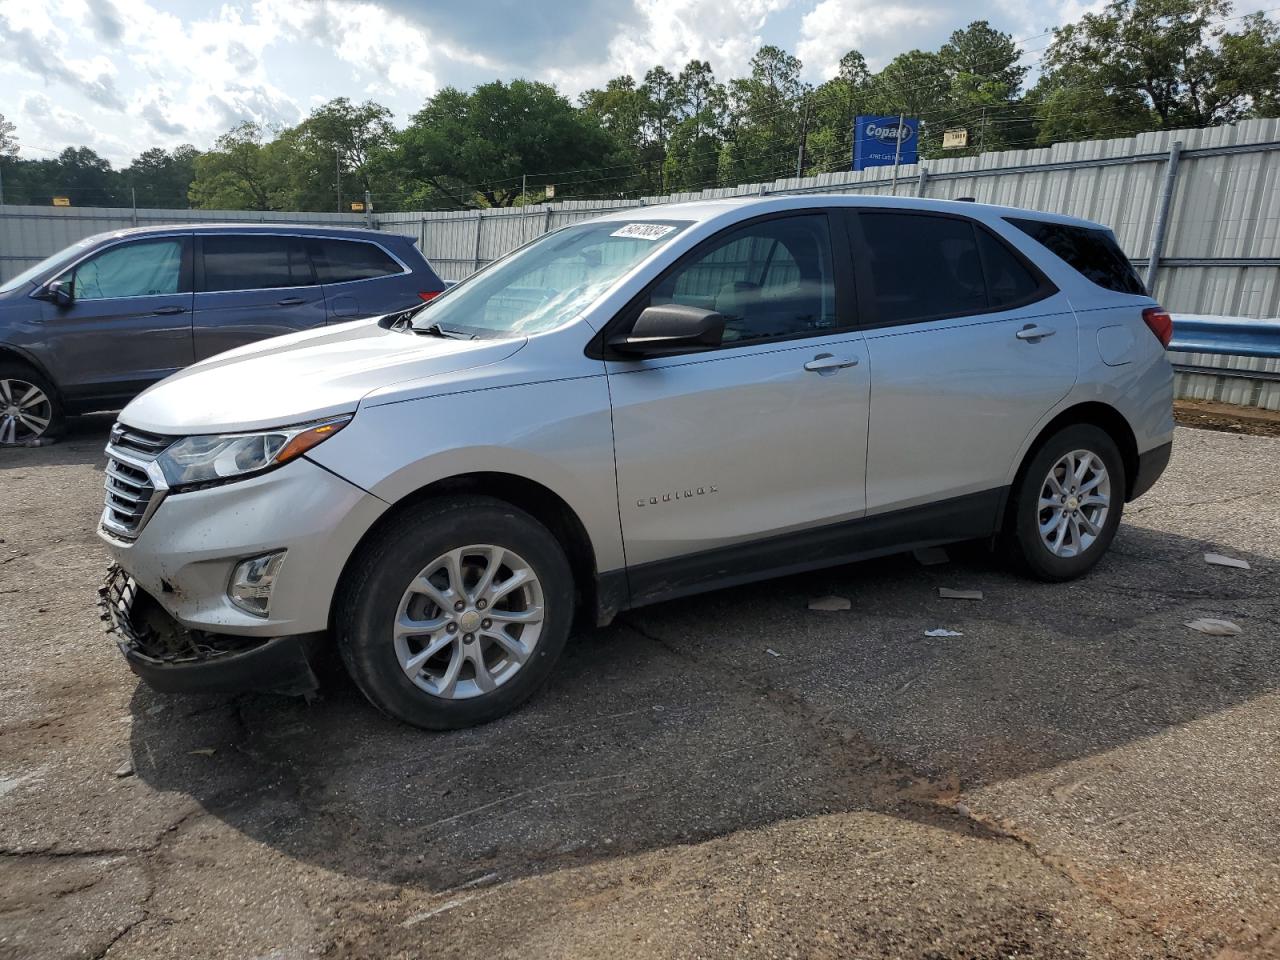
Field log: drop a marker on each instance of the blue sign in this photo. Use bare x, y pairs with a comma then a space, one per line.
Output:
876, 141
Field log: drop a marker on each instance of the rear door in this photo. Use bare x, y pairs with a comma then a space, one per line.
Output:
970, 345
364, 279
250, 286
130, 322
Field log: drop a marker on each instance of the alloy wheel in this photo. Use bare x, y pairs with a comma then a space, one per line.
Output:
25, 411
469, 621
1074, 501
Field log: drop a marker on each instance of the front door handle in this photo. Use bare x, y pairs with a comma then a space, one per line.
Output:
164, 311
1032, 332
291, 301
825, 363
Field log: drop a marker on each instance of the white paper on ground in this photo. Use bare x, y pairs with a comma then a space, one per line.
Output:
948, 594
1215, 628
1225, 561
943, 633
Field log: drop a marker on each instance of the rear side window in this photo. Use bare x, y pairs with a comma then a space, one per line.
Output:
339, 261
1092, 252
255, 263
926, 267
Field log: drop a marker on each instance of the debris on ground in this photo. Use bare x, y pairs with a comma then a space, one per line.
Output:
1222, 560
1215, 628
946, 593
830, 604
772, 652
125, 769
931, 556
204, 752
943, 632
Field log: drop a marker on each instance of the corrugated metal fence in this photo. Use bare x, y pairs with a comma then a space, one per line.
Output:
1218, 253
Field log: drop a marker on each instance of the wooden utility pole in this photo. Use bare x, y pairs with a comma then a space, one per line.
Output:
804, 137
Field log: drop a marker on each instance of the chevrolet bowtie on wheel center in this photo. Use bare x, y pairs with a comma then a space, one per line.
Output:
643, 406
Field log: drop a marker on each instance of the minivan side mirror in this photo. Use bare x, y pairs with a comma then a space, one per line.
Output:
59, 292
671, 328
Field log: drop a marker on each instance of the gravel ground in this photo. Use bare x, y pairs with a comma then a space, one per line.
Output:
1078, 775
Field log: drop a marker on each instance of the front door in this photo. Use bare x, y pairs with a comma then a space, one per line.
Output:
250, 287
129, 324
762, 437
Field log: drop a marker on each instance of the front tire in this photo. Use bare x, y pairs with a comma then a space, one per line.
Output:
456, 613
1067, 504
29, 406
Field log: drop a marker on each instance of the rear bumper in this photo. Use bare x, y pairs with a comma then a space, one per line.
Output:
1150, 466
174, 659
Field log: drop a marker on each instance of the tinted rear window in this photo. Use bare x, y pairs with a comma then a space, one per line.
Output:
341, 260
1092, 252
925, 267
255, 263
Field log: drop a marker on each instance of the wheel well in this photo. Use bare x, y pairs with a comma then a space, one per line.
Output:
1099, 415
13, 356
533, 498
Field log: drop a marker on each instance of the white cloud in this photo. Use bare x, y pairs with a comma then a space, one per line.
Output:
880, 31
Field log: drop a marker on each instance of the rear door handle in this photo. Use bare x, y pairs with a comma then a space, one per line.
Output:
828, 363
1032, 332
163, 311
291, 301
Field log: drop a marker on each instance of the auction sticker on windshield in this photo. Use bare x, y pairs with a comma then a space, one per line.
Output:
643, 231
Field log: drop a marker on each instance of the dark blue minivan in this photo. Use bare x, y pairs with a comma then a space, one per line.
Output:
99, 322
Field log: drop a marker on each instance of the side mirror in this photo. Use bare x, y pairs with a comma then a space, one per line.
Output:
671, 328
60, 293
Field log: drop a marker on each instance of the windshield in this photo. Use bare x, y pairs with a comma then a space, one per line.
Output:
48, 263
548, 282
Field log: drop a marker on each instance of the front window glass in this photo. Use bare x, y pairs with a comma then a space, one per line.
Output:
62, 257
149, 268
768, 280
550, 281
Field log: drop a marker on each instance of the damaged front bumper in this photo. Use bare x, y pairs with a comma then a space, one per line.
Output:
174, 659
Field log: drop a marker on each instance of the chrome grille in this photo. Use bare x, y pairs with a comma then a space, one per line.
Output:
134, 484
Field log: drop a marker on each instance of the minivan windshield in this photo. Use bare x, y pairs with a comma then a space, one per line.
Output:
60, 258
548, 282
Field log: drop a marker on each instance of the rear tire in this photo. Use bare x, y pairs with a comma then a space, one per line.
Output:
1067, 504
29, 405
433, 636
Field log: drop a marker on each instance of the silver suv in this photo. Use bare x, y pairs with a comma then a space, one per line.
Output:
642, 406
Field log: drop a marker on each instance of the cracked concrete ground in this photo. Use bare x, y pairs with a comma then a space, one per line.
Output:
1078, 775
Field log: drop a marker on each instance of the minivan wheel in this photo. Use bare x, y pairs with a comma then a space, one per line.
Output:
1068, 503
455, 614
29, 407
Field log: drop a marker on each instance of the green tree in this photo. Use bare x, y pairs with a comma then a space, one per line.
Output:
471, 149
1174, 58
8, 142
692, 155
764, 118
237, 174
835, 105
983, 91
162, 178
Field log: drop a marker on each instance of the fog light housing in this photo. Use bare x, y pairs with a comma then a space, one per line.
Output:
251, 583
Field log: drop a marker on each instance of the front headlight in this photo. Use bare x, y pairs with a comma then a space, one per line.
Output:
197, 461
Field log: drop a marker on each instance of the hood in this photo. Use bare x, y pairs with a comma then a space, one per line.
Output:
300, 377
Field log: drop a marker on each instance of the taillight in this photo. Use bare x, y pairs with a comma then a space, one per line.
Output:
1160, 323
428, 295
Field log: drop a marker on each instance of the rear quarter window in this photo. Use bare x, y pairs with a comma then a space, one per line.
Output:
1093, 253
340, 261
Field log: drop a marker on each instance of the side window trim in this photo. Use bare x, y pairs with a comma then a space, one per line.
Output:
846, 303
185, 284
300, 239
868, 307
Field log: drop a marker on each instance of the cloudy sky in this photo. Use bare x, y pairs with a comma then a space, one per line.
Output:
124, 75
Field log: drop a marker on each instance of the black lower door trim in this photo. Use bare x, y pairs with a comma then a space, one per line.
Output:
971, 517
